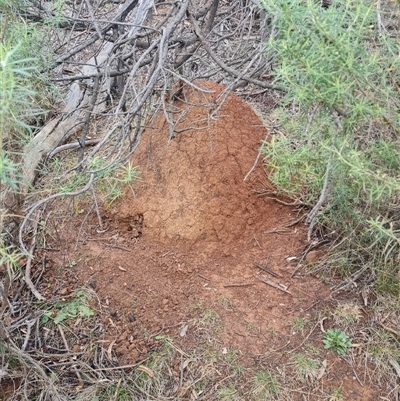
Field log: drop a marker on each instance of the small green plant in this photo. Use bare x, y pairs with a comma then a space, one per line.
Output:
238, 369
306, 368
272, 332
113, 392
227, 393
16, 96
298, 325
18, 106
388, 279
311, 349
251, 327
155, 374
9, 173
265, 386
347, 314
164, 339
9, 257
336, 395
71, 309
227, 303
230, 354
113, 184
113, 191
209, 319
127, 174
110, 181
337, 340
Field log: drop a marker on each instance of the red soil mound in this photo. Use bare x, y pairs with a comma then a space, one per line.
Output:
190, 239
192, 186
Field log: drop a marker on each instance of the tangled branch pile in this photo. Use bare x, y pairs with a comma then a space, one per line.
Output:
122, 69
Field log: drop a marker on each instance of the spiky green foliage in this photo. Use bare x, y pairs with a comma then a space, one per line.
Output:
17, 107
340, 120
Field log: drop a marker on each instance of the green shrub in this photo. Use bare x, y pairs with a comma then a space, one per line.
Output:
22, 95
341, 121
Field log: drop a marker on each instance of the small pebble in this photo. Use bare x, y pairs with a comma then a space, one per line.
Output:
63, 291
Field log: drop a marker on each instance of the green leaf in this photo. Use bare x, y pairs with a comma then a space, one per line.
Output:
85, 311
61, 316
46, 317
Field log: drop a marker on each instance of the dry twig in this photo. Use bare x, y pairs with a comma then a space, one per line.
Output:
271, 283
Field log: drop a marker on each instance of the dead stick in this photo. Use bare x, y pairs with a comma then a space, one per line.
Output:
74, 145
238, 285
63, 337
395, 365
257, 159
5, 291
390, 330
266, 269
118, 247
273, 284
307, 337
28, 280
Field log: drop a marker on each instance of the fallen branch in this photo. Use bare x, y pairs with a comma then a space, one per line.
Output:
395, 365
71, 146
42, 202
279, 287
238, 285
313, 215
257, 159
390, 330
36, 367
28, 266
225, 67
352, 280
266, 269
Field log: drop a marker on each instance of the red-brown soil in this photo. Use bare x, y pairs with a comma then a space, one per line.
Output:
189, 239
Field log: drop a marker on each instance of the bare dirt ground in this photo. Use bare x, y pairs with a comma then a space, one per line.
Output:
189, 239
